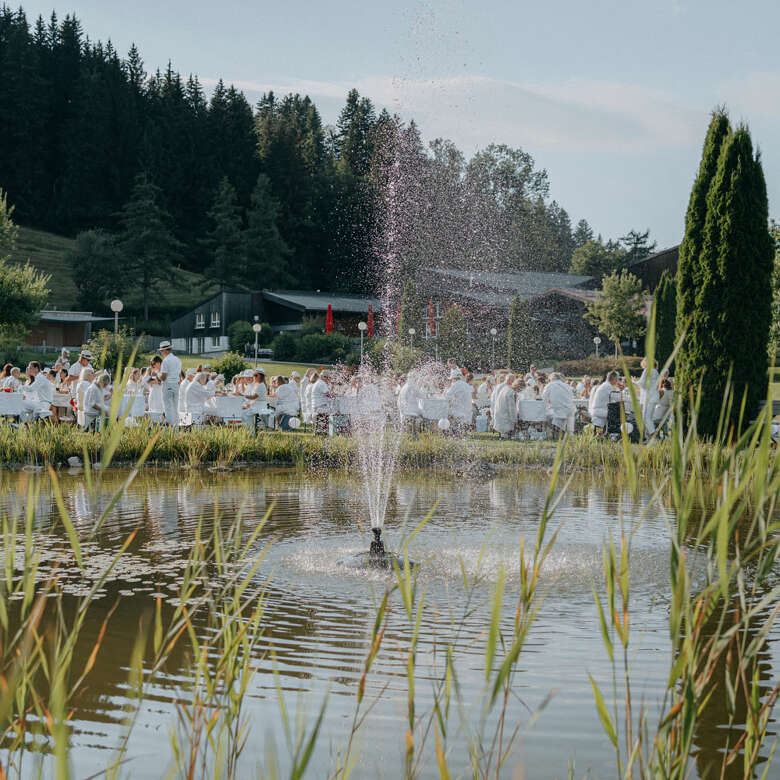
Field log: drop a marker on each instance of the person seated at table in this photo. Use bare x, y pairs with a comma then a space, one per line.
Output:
321, 396
5, 373
256, 395
211, 382
598, 403
153, 385
61, 380
504, 412
559, 398
85, 380
460, 401
95, 404
198, 396
220, 383
485, 391
189, 378
409, 398
38, 393
287, 403
12, 382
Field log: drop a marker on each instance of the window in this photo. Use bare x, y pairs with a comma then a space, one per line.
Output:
216, 319
200, 320
216, 341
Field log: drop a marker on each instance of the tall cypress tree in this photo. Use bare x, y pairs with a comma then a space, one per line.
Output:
689, 274
735, 295
410, 313
665, 317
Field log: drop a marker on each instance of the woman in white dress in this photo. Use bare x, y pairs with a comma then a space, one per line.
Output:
648, 395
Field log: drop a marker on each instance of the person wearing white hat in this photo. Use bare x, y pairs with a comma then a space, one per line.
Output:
84, 361
169, 376
461, 401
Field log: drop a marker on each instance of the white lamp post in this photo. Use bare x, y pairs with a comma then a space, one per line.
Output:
597, 341
362, 328
412, 331
116, 307
257, 327
493, 333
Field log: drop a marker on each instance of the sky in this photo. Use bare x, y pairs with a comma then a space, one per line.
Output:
611, 98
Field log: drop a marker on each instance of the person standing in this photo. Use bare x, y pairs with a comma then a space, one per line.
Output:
460, 398
169, 377
648, 385
505, 407
560, 400
39, 391
84, 361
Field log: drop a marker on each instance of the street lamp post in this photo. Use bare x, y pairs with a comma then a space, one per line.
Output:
116, 307
362, 328
412, 331
257, 327
493, 333
597, 341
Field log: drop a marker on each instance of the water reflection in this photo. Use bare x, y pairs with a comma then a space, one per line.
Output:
318, 616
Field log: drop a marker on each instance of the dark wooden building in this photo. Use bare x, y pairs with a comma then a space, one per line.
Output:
650, 268
71, 329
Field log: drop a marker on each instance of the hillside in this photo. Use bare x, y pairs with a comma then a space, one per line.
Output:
48, 253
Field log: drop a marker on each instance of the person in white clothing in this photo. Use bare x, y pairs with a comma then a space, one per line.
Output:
287, 403
409, 398
74, 372
39, 393
154, 385
256, 394
598, 402
560, 402
189, 378
307, 403
648, 395
197, 397
505, 407
321, 403
95, 401
12, 382
460, 399
169, 376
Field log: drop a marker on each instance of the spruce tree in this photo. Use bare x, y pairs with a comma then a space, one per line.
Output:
147, 245
97, 268
410, 312
266, 256
665, 317
689, 362
735, 292
224, 240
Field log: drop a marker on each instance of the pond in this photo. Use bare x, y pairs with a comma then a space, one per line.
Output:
318, 614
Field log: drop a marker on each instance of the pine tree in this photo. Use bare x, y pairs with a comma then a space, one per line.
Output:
582, 233
147, 245
665, 317
637, 245
266, 257
736, 265
691, 321
97, 268
224, 240
453, 333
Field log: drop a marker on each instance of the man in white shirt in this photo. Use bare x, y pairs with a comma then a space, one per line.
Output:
39, 392
560, 400
74, 372
505, 407
169, 376
287, 403
95, 404
460, 396
598, 403
189, 378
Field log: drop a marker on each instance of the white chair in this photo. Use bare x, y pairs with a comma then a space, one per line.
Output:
11, 405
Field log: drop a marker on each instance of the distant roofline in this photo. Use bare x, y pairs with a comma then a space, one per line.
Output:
675, 248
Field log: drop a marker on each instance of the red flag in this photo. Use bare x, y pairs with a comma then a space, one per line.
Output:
431, 319
370, 323
329, 320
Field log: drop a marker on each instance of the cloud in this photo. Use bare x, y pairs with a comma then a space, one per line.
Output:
576, 116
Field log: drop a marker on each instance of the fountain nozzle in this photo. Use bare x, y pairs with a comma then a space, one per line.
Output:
376, 552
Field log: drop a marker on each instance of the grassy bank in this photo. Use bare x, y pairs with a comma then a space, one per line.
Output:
226, 446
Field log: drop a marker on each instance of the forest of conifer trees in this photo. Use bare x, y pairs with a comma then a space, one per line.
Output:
81, 126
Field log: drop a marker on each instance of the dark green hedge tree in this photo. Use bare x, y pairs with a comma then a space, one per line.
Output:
665, 317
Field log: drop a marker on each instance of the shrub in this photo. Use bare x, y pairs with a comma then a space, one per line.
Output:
321, 348
312, 325
109, 349
285, 345
598, 366
239, 334
403, 359
229, 365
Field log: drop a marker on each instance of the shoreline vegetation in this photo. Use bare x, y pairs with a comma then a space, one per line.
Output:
477, 454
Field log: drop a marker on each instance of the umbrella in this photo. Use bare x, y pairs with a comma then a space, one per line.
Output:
329, 320
431, 319
370, 323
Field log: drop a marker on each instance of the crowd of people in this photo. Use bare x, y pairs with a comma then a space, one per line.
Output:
533, 404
